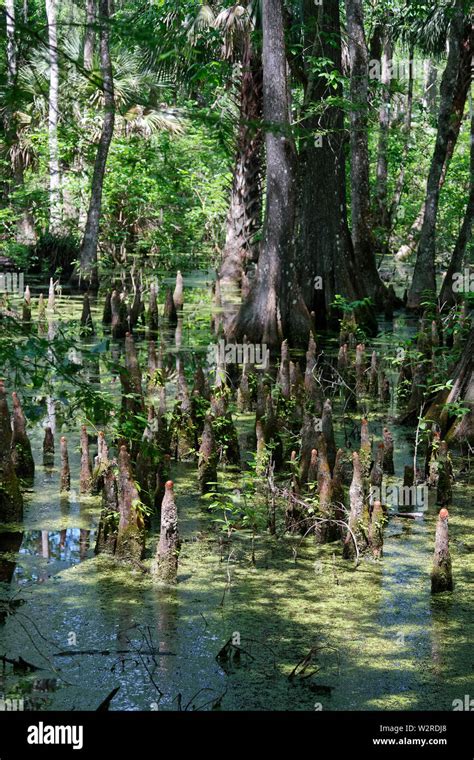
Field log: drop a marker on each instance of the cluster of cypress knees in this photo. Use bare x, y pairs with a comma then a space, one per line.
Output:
202, 429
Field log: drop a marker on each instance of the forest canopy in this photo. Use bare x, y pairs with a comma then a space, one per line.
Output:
379, 87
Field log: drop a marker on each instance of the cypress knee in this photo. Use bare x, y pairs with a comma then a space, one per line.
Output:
312, 392
296, 381
178, 295
51, 295
271, 432
313, 468
26, 312
374, 376
243, 392
119, 315
433, 460
357, 510
328, 433
85, 479
284, 371
207, 462
107, 312
165, 565
309, 441
48, 447
376, 473
21, 447
109, 517
152, 361
377, 521
137, 309
365, 452
169, 309
11, 500
325, 531
343, 359
65, 479
42, 326
183, 394
444, 493
131, 534
261, 455
441, 573
388, 465
87, 325
152, 315
361, 385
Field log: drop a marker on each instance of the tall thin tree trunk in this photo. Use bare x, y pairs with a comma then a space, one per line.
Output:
274, 308
243, 220
325, 262
89, 34
11, 45
53, 114
88, 254
413, 236
381, 187
447, 296
453, 94
360, 183
429, 86
397, 193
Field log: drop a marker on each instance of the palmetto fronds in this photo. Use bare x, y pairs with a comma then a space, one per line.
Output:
146, 121
426, 31
234, 22
204, 19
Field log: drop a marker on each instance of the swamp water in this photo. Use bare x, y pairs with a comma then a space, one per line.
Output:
379, 640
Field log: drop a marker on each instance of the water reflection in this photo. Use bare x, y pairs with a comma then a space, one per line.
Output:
32, 555
9, 545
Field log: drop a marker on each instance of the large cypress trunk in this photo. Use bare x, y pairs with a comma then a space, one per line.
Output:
243, 219
453, 94
274, 309
244, 215
324, 243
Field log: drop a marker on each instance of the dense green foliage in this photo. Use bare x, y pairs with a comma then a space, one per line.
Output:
169, 170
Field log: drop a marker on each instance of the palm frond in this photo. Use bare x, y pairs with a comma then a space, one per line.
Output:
234, 22
204, 19
148, 121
